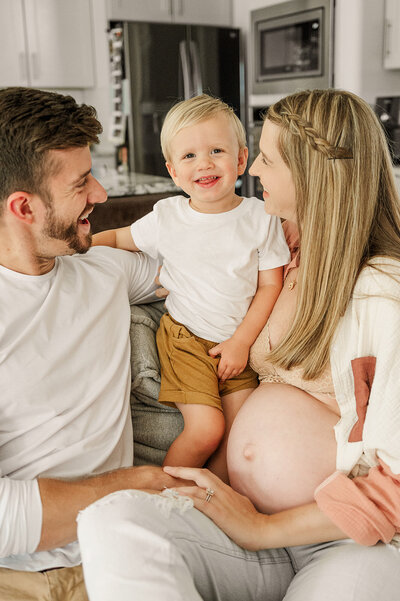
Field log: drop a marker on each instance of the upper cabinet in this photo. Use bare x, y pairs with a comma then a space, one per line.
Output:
391, 58
47, 43
196, 12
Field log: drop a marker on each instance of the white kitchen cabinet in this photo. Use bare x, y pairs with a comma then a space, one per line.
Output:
46, 43
204, 12
391, 58
196, 12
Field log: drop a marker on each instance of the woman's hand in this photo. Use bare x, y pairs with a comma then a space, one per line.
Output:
232, 512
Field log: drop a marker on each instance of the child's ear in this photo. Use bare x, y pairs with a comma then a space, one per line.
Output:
171, 171
242, 160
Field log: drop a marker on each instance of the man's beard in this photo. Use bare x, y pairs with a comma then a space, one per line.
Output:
59, 230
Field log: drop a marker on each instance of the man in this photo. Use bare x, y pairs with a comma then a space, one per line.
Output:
65, 427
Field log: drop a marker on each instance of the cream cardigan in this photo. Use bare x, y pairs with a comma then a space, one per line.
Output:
366, 505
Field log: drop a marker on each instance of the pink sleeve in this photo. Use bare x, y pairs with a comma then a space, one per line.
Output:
366, 508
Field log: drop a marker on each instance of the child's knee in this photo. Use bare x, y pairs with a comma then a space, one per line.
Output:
206, 435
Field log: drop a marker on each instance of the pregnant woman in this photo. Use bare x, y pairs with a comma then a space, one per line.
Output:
314, 454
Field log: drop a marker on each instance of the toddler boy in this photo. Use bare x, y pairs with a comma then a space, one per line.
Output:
222, 264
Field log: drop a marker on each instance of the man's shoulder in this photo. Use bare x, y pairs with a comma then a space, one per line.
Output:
103, 258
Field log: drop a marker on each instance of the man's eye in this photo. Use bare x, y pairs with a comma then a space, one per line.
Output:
83, 183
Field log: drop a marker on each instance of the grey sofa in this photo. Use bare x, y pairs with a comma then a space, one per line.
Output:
155, 426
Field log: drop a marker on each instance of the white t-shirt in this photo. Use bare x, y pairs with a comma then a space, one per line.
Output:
211, 261
65, 377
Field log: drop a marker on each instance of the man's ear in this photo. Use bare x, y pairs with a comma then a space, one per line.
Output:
172, 172
242, 160
19, 204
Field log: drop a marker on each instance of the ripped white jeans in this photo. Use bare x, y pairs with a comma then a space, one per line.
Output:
141, 547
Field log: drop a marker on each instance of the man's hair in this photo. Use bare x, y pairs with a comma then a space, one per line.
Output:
192, 111
33, 122
348, 211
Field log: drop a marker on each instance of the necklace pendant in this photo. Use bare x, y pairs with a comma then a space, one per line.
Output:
291, 285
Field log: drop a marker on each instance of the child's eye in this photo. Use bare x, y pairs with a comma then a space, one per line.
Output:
189, 155
216, 150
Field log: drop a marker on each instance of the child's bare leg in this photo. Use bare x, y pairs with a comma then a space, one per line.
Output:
231, 404
202, 433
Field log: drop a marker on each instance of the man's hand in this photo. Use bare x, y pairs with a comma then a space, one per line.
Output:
161, 292
234, 357
62, 500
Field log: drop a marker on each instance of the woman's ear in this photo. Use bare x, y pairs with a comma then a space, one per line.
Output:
19, 204
242, 160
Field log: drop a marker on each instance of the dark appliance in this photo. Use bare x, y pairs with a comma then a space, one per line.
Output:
388, 111
292, 46
159, 64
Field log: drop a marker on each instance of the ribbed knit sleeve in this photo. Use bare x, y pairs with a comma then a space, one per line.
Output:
366, 508
20, 516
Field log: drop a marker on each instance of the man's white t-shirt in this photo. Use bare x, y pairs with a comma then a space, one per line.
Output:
211, 261
65, 376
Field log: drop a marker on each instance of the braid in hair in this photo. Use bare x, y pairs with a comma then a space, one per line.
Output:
302, 128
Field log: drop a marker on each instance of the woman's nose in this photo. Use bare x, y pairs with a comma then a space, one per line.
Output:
253, 167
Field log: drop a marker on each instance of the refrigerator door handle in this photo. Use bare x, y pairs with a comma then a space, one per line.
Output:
195, 58
187, 88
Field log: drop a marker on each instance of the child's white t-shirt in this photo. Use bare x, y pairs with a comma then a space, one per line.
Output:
211, 261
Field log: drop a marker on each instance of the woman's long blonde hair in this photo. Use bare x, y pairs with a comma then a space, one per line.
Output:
348, 211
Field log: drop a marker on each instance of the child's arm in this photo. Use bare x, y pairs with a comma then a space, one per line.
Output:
235, 351
118, 238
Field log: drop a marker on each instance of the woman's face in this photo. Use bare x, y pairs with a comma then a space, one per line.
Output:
274, 175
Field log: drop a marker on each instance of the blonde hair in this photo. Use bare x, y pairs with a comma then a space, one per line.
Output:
192, 111
348, 211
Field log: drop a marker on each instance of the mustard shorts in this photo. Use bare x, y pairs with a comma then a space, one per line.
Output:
188, 373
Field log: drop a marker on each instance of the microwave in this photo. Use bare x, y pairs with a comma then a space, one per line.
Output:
292, 46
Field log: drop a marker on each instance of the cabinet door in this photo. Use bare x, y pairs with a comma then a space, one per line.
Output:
13, 64
203, 12
59, 43
153, 11
391, 58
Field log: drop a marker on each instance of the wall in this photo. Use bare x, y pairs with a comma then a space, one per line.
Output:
100, 96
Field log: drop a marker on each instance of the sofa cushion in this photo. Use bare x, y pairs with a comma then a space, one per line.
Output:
155, 426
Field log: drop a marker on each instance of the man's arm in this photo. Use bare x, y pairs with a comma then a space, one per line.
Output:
62, 500
117, 238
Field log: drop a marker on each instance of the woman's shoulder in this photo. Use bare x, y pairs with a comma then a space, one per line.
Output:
380, 277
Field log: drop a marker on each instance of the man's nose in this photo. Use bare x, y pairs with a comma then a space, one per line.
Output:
97, 193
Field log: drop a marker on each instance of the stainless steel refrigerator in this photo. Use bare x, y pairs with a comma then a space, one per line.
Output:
160, 64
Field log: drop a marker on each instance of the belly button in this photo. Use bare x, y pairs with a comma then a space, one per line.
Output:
248, 452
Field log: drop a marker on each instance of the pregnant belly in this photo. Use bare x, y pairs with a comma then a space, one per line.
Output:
281, 447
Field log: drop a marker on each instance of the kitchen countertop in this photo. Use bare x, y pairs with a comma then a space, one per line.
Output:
133, 184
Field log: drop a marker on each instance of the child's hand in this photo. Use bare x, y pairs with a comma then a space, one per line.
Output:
234, 357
